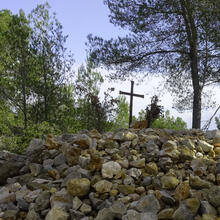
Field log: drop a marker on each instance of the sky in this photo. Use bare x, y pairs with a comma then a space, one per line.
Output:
82, 17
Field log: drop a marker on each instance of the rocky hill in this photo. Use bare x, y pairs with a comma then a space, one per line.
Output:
130, 175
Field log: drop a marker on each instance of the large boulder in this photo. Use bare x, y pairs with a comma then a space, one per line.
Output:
10, 165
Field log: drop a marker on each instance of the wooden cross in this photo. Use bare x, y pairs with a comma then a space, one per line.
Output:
131, 99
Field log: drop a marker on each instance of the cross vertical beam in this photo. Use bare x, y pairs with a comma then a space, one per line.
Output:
131, 100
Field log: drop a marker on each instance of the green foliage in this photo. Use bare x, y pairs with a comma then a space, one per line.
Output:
217, 121
51, 63
169, 122
122, 113
177, 39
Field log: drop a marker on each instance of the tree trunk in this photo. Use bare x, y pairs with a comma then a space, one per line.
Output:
192, 36
23, 73
196, 122
197, 91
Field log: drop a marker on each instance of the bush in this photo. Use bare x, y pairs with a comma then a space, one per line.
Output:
169, 122
19, 143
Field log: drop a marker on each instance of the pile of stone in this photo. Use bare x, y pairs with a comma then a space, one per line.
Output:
130, 175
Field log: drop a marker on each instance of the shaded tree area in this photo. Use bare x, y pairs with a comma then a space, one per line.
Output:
177, 39
39, 93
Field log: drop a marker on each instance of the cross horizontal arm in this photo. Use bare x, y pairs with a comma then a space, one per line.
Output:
127, 93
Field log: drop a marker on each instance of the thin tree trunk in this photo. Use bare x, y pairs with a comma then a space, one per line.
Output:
23, 73
196, 122
192, 36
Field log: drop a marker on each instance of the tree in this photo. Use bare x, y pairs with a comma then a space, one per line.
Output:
179, 39
122, 113
52, 62
15, 57
91, 111
217, 121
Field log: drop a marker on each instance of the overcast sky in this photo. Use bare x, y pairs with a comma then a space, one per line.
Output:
82, 17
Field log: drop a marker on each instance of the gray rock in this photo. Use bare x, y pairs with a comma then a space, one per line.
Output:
117, 210
42, 202
148, 216
197, 183
148, 203
206, 208
165, 163
199, 166
57, 213
131, 215
76, 215
76, 203
147, 181
183, 213
10, 214
62, 199
32, 195
110, 169
35, 169
214, 196
10, 165
103, 186
59, 160
32, 215
34, 151
165, 197
96, 202
68, 137
134, 172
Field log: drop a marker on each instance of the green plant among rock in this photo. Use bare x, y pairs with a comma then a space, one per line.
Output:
217, 121
169, 122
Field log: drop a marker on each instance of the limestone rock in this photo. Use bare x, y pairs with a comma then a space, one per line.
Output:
57, 213
76, 203
155, 174
42, 202
126, 189
151, 168
207, 208
182, 191
148, 203
214, 196
110, 169
206, 147
166, 214
131, 215
183, 213
62, 199
193, 204
83, 140
199, 167
32, 215
138, 163
10, 165
117, 210
169, 182
216, 140
197, 183
103, 186
125, 136
78, 187
35, 169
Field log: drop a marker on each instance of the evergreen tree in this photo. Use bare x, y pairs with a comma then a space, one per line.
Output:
52, 62
15, 57
177, 38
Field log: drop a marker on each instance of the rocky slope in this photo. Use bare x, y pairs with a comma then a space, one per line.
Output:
129, 175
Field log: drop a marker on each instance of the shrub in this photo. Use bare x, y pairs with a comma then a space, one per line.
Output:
169, 122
